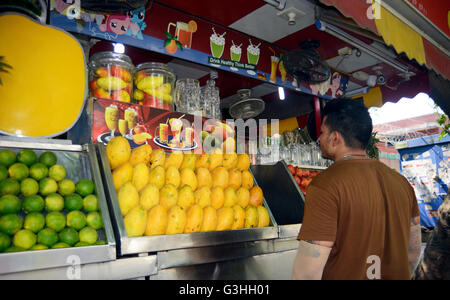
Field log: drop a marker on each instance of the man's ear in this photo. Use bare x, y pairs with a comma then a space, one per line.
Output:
336, 138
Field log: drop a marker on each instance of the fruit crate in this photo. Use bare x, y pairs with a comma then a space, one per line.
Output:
147, 244
80, 162
285, 199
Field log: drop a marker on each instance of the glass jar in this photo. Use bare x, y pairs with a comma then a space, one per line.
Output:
154, 84
187, 96
110, 76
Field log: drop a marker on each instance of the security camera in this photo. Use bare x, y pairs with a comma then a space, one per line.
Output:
381, 80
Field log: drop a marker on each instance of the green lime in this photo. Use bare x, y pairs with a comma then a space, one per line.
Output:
88, 235
85, 187
73, 202
94, 220
3, 172
60, 245
69, 236
10, 224
66, 187
10, 204
100, 243
48, 158
38, 171
76, 220
34, 222
14, 249
18, 171
7, 157
47, 186
47, 237
24, 238
39, 247
9, 186
90, 203
29, 187
33, 203
5, 241
82, 244
54, 202
57, 172
27, 156
55, 220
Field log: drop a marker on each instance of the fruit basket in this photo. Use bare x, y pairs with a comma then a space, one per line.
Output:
62, 214
178, 240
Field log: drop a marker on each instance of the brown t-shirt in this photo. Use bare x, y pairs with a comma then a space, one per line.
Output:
366, 209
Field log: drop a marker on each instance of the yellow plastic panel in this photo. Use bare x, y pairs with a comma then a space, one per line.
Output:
44, 93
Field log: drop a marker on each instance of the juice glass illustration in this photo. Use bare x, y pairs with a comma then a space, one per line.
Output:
253, 54
189, 137
235, 52
123, 127
175, 128
273, 68
184, 32
111, 119
217, 43
163, 136
130, 116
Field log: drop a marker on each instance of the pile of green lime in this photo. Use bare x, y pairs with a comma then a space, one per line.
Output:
40, 208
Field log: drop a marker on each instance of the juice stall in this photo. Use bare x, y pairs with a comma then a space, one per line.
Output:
194, 126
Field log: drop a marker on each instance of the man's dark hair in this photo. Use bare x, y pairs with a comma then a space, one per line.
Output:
351, 119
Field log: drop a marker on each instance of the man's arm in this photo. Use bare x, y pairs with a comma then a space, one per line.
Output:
311, 259
415, 243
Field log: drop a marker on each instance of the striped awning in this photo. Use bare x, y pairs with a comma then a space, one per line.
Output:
418, 28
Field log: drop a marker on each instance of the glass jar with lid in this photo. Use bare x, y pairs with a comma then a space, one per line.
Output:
154, 84
110, 76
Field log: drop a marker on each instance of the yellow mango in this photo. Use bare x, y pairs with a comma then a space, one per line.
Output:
173, 176
234, 178
204, 177
122, 174
209, 219
194, 219
229, 160
239, 217
138, 95
175, 159
247, 179
176, 220
111, 83
230, 197
189, 160
251, 217
188, 177
157, 176
186, 197
128, 198
140, 176
263, 216
243, 197
135, 222
156, 221
150, 82
118, 151
149, 196
141, 154
243, 162
203, 196
203, 161
225, 218
217, 197
157, 158
168, 196
220, 177
216, 159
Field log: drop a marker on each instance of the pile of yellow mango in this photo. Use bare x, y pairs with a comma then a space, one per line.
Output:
171, 193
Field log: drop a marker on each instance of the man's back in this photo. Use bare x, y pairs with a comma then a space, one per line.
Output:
366, 208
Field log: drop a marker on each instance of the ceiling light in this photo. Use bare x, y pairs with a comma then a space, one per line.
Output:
358, 91
281, 94
119, 48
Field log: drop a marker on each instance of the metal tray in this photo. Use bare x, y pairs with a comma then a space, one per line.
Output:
80, 162
146, 244
276, 180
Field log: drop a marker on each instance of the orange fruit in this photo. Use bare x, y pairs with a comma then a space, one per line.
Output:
256, 196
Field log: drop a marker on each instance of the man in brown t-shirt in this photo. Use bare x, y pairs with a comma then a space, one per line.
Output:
361, 218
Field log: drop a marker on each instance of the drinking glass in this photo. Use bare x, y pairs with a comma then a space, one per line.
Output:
187, 95
111, 119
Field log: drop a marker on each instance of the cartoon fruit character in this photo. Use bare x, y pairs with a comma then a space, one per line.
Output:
171, 43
